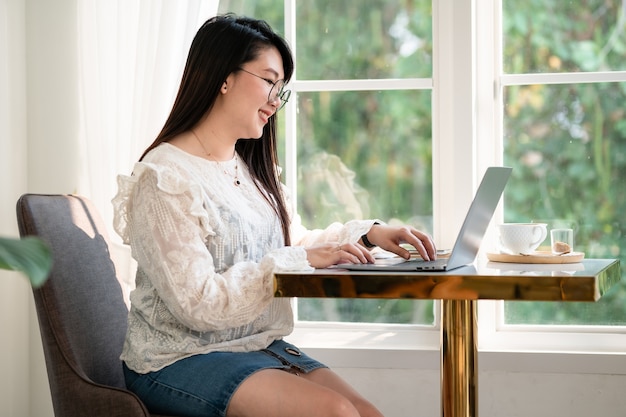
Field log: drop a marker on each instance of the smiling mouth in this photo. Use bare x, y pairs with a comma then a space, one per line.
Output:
265, 115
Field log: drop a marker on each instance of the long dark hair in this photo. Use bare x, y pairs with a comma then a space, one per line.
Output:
221, 46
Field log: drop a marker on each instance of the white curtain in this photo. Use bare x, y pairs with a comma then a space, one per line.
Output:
131, 57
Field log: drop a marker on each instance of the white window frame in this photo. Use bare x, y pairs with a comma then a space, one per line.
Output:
467, 74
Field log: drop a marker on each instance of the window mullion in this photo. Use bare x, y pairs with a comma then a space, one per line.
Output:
363, 84
564, 78
489, 144
454, 132
290, 110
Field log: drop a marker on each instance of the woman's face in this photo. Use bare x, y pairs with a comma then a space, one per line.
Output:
248, 91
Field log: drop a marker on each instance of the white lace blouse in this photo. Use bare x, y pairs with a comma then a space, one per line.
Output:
206, 252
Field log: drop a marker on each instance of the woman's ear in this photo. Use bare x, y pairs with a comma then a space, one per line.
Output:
228, 82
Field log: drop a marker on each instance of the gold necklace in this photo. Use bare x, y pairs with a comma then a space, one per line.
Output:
208, 154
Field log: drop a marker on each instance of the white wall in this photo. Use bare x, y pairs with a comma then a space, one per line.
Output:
38, 153
15, 306
52, 126
510, 384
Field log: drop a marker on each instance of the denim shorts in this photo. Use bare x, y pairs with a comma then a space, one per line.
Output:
202, 385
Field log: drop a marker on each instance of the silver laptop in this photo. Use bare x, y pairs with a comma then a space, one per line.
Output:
469, 239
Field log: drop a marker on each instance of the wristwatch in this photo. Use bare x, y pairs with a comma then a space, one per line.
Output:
366, 241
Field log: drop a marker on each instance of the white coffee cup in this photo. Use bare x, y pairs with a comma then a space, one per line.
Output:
522, 238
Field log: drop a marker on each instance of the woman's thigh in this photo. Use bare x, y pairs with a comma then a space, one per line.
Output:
319, 393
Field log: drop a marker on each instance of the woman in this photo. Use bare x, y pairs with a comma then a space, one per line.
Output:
208, 223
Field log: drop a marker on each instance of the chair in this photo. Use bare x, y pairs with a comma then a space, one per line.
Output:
81, 311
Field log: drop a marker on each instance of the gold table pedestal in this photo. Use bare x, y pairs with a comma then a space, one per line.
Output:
459, 359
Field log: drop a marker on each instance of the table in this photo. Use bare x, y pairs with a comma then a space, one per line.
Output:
459, 291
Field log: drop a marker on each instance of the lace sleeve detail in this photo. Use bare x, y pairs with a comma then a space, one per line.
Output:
290, 259
125, 184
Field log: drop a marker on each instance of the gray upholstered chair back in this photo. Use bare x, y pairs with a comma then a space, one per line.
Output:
81, 310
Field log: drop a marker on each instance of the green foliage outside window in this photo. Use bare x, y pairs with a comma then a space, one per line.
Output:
567, 142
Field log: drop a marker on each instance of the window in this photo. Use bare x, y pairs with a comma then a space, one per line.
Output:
564, 89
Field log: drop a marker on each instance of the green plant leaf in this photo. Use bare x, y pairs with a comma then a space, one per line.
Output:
29, 255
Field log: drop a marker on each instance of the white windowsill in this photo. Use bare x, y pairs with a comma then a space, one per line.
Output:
416, 347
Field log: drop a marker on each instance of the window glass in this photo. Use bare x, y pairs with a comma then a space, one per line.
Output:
367, 311
373, 161
271, 11
564, 36
365, 154
360, 154
365, 39
566, 141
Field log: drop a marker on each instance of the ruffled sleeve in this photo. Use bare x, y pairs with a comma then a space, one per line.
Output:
169, 182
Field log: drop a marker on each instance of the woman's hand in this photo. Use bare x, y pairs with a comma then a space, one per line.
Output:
327, 254
390, 238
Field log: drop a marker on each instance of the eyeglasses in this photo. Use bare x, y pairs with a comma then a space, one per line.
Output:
277, 90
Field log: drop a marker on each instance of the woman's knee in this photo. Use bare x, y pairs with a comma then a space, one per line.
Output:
339, 406
366, 409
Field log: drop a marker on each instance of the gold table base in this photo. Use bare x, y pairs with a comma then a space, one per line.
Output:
459, 359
